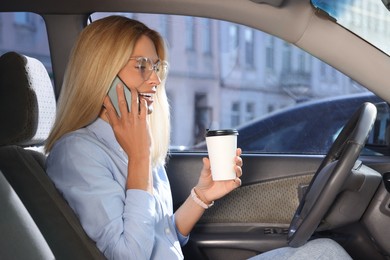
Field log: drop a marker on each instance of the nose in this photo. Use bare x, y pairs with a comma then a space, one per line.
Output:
154, 78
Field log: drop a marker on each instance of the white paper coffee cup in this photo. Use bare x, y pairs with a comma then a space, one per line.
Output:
221, 147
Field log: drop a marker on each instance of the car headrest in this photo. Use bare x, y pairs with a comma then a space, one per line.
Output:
27, 101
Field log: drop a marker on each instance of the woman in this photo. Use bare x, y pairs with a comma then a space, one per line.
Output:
109, 165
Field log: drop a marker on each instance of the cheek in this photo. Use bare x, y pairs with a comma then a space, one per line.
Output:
132, 81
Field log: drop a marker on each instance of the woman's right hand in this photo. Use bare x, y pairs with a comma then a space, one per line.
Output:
131, 129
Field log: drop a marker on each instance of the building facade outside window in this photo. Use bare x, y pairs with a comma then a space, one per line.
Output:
206, 36
190, 33
192, 72
249, 48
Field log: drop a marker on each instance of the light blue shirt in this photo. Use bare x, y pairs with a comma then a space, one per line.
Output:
89, 168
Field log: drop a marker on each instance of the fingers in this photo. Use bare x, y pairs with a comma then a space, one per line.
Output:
233, 184
134, 102
206, 163
110, 110
206, 171
237, 182
143, 107
122, 103
128, 98
238, 168
238, 171
214, 190
239, 161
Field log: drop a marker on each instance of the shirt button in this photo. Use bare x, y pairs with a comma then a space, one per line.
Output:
167, 231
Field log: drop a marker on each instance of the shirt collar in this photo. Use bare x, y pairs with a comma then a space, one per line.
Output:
104, 133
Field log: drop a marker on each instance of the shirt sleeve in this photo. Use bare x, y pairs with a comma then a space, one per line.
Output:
120, 222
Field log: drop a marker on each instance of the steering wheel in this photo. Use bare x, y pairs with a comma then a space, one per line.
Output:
329, 178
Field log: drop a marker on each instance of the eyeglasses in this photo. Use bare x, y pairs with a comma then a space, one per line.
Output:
146, 67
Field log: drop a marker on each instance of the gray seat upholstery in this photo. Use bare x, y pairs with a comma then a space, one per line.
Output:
27, 106
23, 240
27, 100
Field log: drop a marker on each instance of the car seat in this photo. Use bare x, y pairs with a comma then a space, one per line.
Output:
21, 237
27, 112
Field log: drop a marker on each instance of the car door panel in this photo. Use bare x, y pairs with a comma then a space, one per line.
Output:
255, 217
183, 170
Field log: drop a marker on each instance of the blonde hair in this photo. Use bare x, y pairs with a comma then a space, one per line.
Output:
101, 51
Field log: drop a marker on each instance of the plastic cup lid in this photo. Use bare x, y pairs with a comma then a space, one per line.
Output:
221, 132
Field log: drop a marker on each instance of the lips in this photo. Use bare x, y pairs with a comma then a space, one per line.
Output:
147, 96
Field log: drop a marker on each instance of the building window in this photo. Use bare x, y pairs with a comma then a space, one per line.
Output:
333, 74
323, 70
270, 53
190, 33
233, 37
165, 29
249, 47
286, 58
302, 62
270, 108
249, 111
203, 114
206, 36
235, 114
24, 19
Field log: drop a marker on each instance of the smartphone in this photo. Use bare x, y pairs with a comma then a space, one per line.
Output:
114, 97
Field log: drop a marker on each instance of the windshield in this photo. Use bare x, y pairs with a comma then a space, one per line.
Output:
368, 19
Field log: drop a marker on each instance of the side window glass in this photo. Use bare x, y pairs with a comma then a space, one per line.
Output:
25, 33
226, 75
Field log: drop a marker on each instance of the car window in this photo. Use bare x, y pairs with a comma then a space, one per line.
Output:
26, 34
226, 75
367, 18
275, 142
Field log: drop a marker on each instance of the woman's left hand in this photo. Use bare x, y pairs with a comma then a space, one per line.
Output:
208, 190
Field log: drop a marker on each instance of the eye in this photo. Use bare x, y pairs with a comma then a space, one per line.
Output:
141, 65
